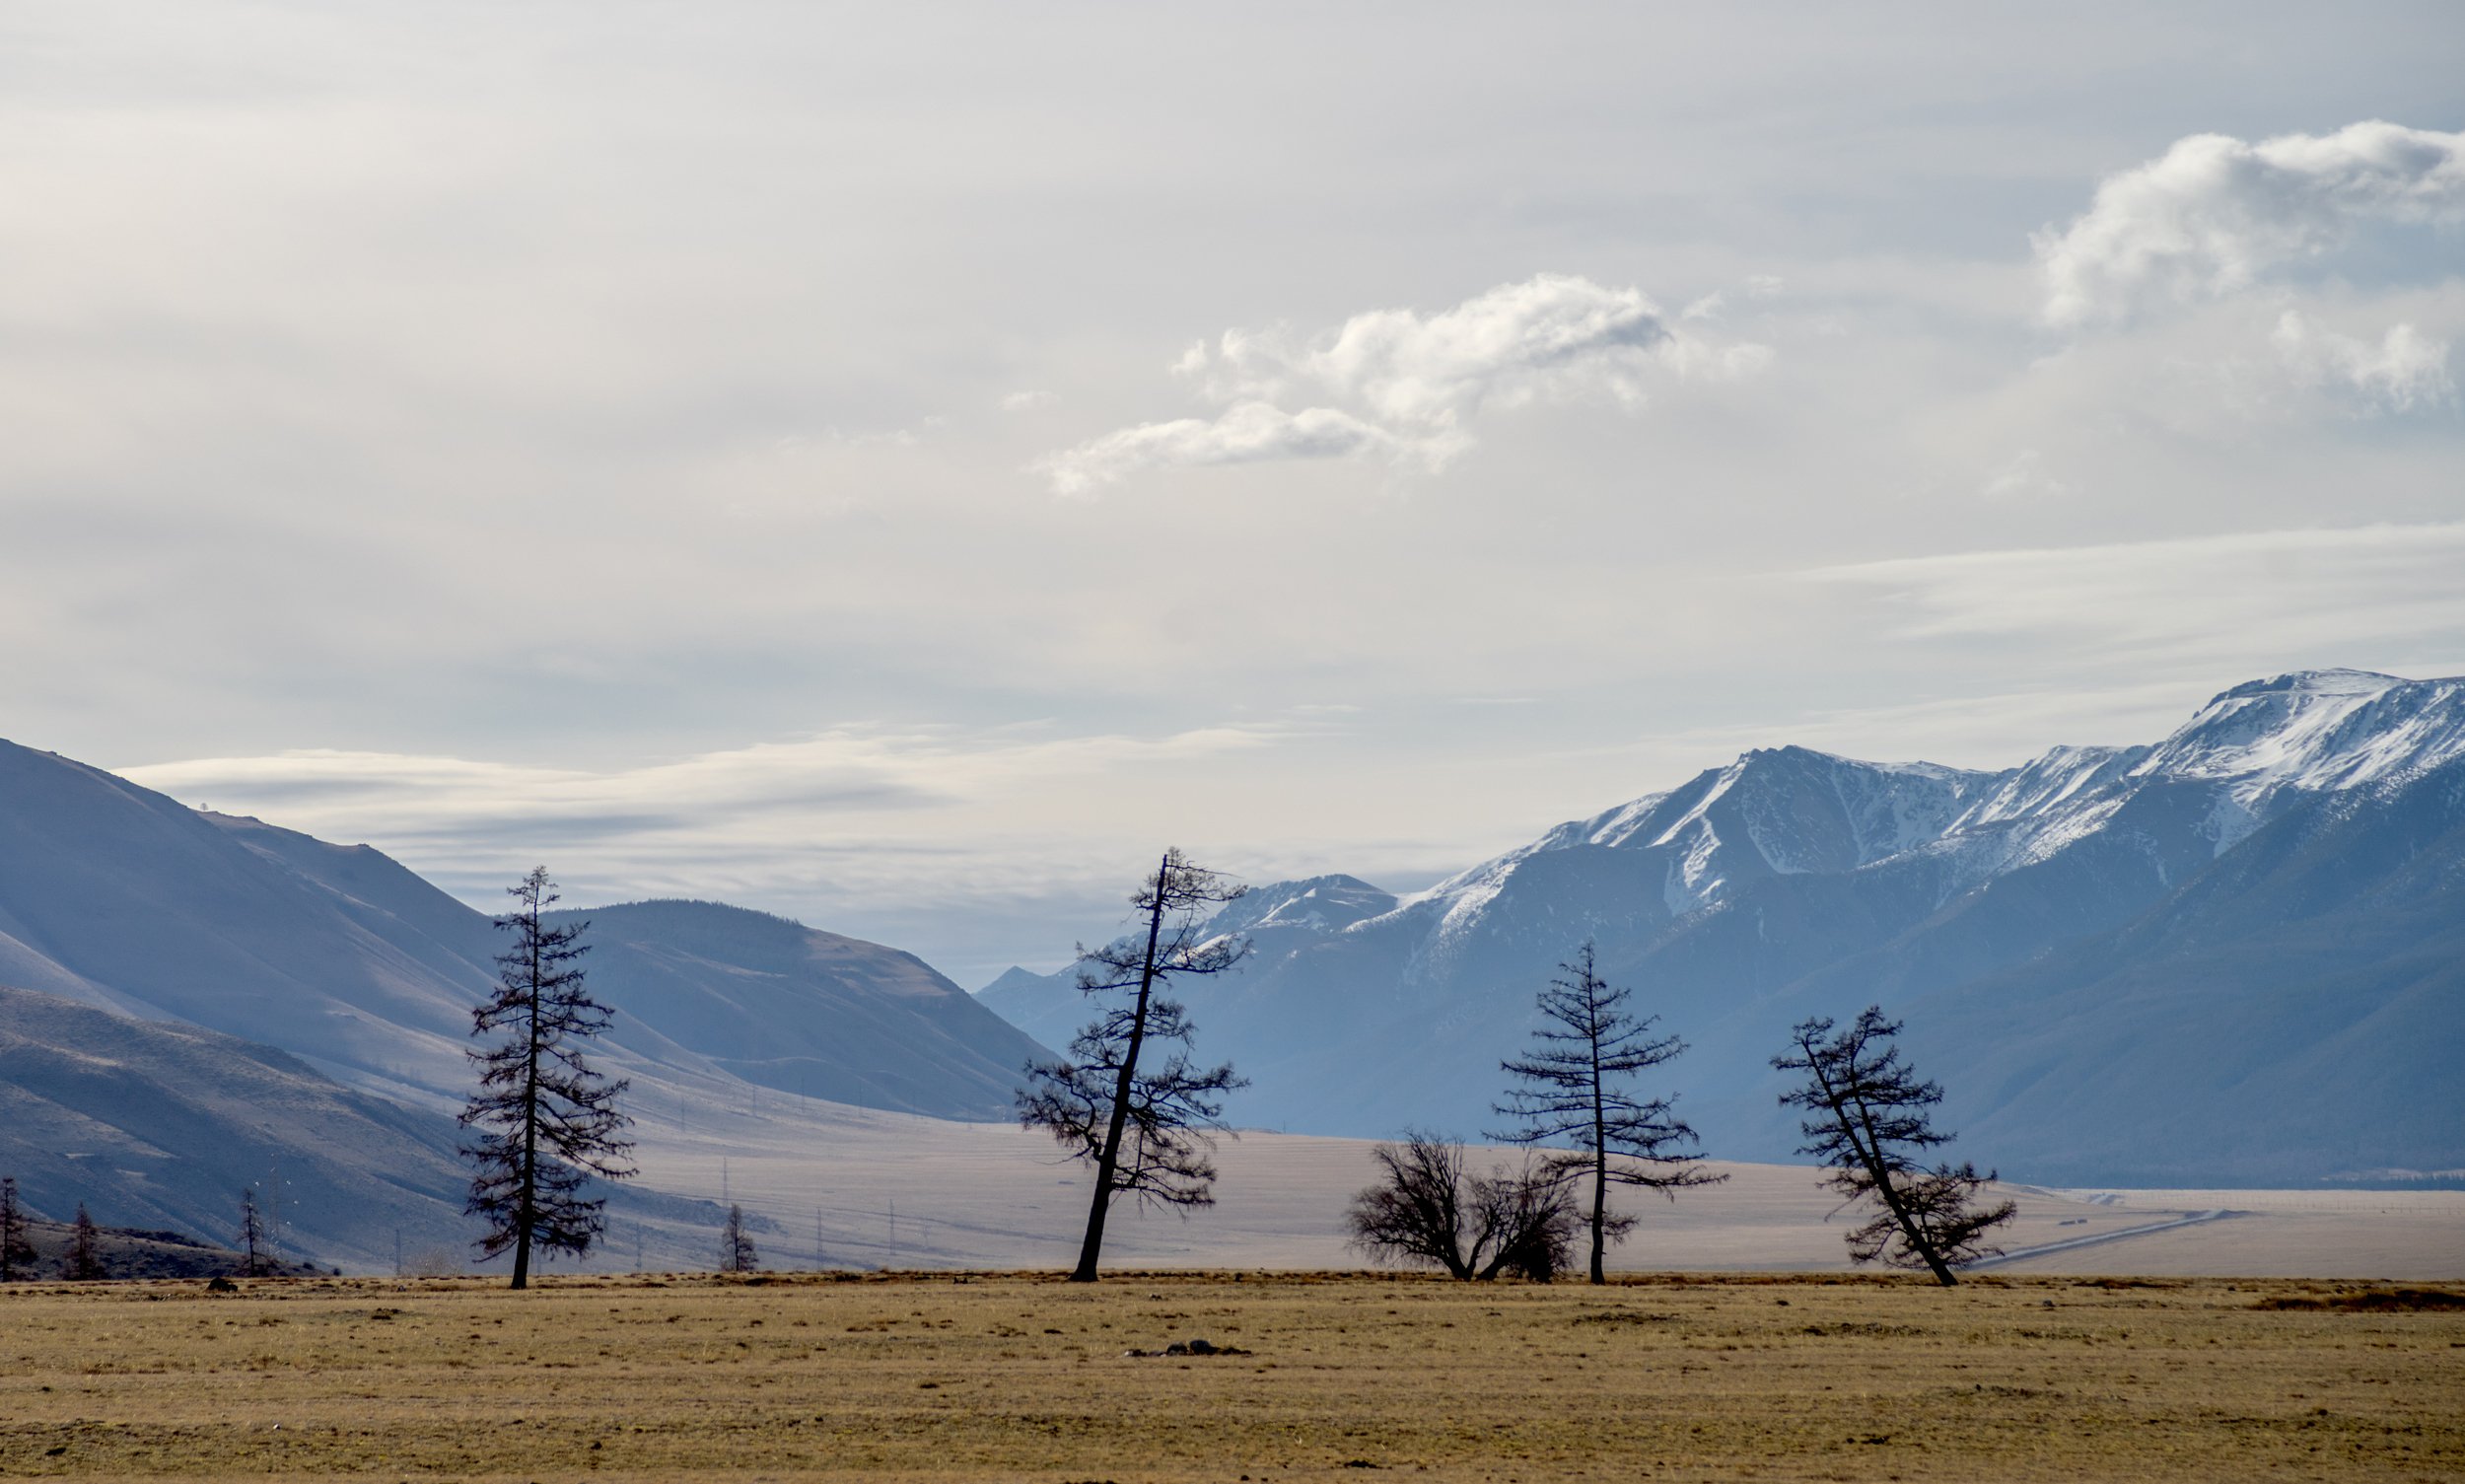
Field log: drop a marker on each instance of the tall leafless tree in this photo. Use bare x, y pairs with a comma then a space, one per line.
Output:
547, 1121
1586, 1050
1144, 1124
1867, 1117
1427, 1209
251, 1235
736, 1246
85, 1248
16, 1248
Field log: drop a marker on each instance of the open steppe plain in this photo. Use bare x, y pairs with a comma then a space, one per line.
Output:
947, 1377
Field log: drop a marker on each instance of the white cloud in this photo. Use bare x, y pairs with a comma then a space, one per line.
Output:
1247, 433
2215, 213
1026, 402
2404, 369
1405, 385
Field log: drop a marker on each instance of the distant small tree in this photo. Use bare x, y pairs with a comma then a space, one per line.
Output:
1429, 1210
252, 1239
1866, 1119
547, 1120
736, 1246
85, 1248
1144, 1127
16, 1248
1588, 1046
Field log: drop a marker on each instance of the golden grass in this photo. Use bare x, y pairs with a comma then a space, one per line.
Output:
989, 1377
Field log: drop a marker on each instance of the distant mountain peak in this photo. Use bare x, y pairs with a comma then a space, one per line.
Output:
2309, 732
1323, 903
2333, 681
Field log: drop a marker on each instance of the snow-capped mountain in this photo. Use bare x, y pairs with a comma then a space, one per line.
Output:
1792, 882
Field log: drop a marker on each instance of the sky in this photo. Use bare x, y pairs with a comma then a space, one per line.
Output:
901, 466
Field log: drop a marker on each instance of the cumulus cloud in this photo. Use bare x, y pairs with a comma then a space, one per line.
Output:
1404, 385
2404, 368
2215, 214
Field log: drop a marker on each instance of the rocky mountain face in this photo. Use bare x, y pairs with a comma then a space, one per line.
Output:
2149, 964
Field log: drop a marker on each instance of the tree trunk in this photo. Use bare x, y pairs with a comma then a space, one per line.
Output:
1869, 1154
1108, 1158
525, 1211
1872, 1153
1600, 1159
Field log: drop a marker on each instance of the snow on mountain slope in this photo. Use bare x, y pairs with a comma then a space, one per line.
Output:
1792, 810
2312, 732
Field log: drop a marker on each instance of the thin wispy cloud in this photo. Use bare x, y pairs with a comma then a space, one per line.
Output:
2252, 599
1245, 433
1407, 385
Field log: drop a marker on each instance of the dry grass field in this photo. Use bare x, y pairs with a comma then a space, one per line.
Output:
987, 1376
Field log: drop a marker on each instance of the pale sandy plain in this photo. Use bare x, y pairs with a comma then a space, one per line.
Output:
846, 1187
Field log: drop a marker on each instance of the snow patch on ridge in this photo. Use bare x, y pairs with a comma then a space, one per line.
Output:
1794, 811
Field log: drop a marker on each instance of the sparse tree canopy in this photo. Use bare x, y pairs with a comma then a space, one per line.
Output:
546, 1120
1429, 1210
1143, 1124
252, 1240
85, 1248
1867, 1118
1573, 1092
735, 1247
16, 1248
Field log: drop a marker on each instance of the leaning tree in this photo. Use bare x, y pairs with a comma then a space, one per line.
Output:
1142, 1121
1575, 1094
547, 1120
1867, 1118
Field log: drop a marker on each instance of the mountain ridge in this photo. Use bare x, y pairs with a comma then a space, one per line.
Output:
1793, 882
122, 898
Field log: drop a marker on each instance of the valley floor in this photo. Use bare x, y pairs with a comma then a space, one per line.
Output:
1006, 1377
844, 1187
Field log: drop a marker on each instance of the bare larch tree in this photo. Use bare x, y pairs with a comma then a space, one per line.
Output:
547, 1121
85, 1248
1141, 1122
1427, 1209
16, 1248
1867, 1117
1574, 1092
251, 1235
736, 1246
